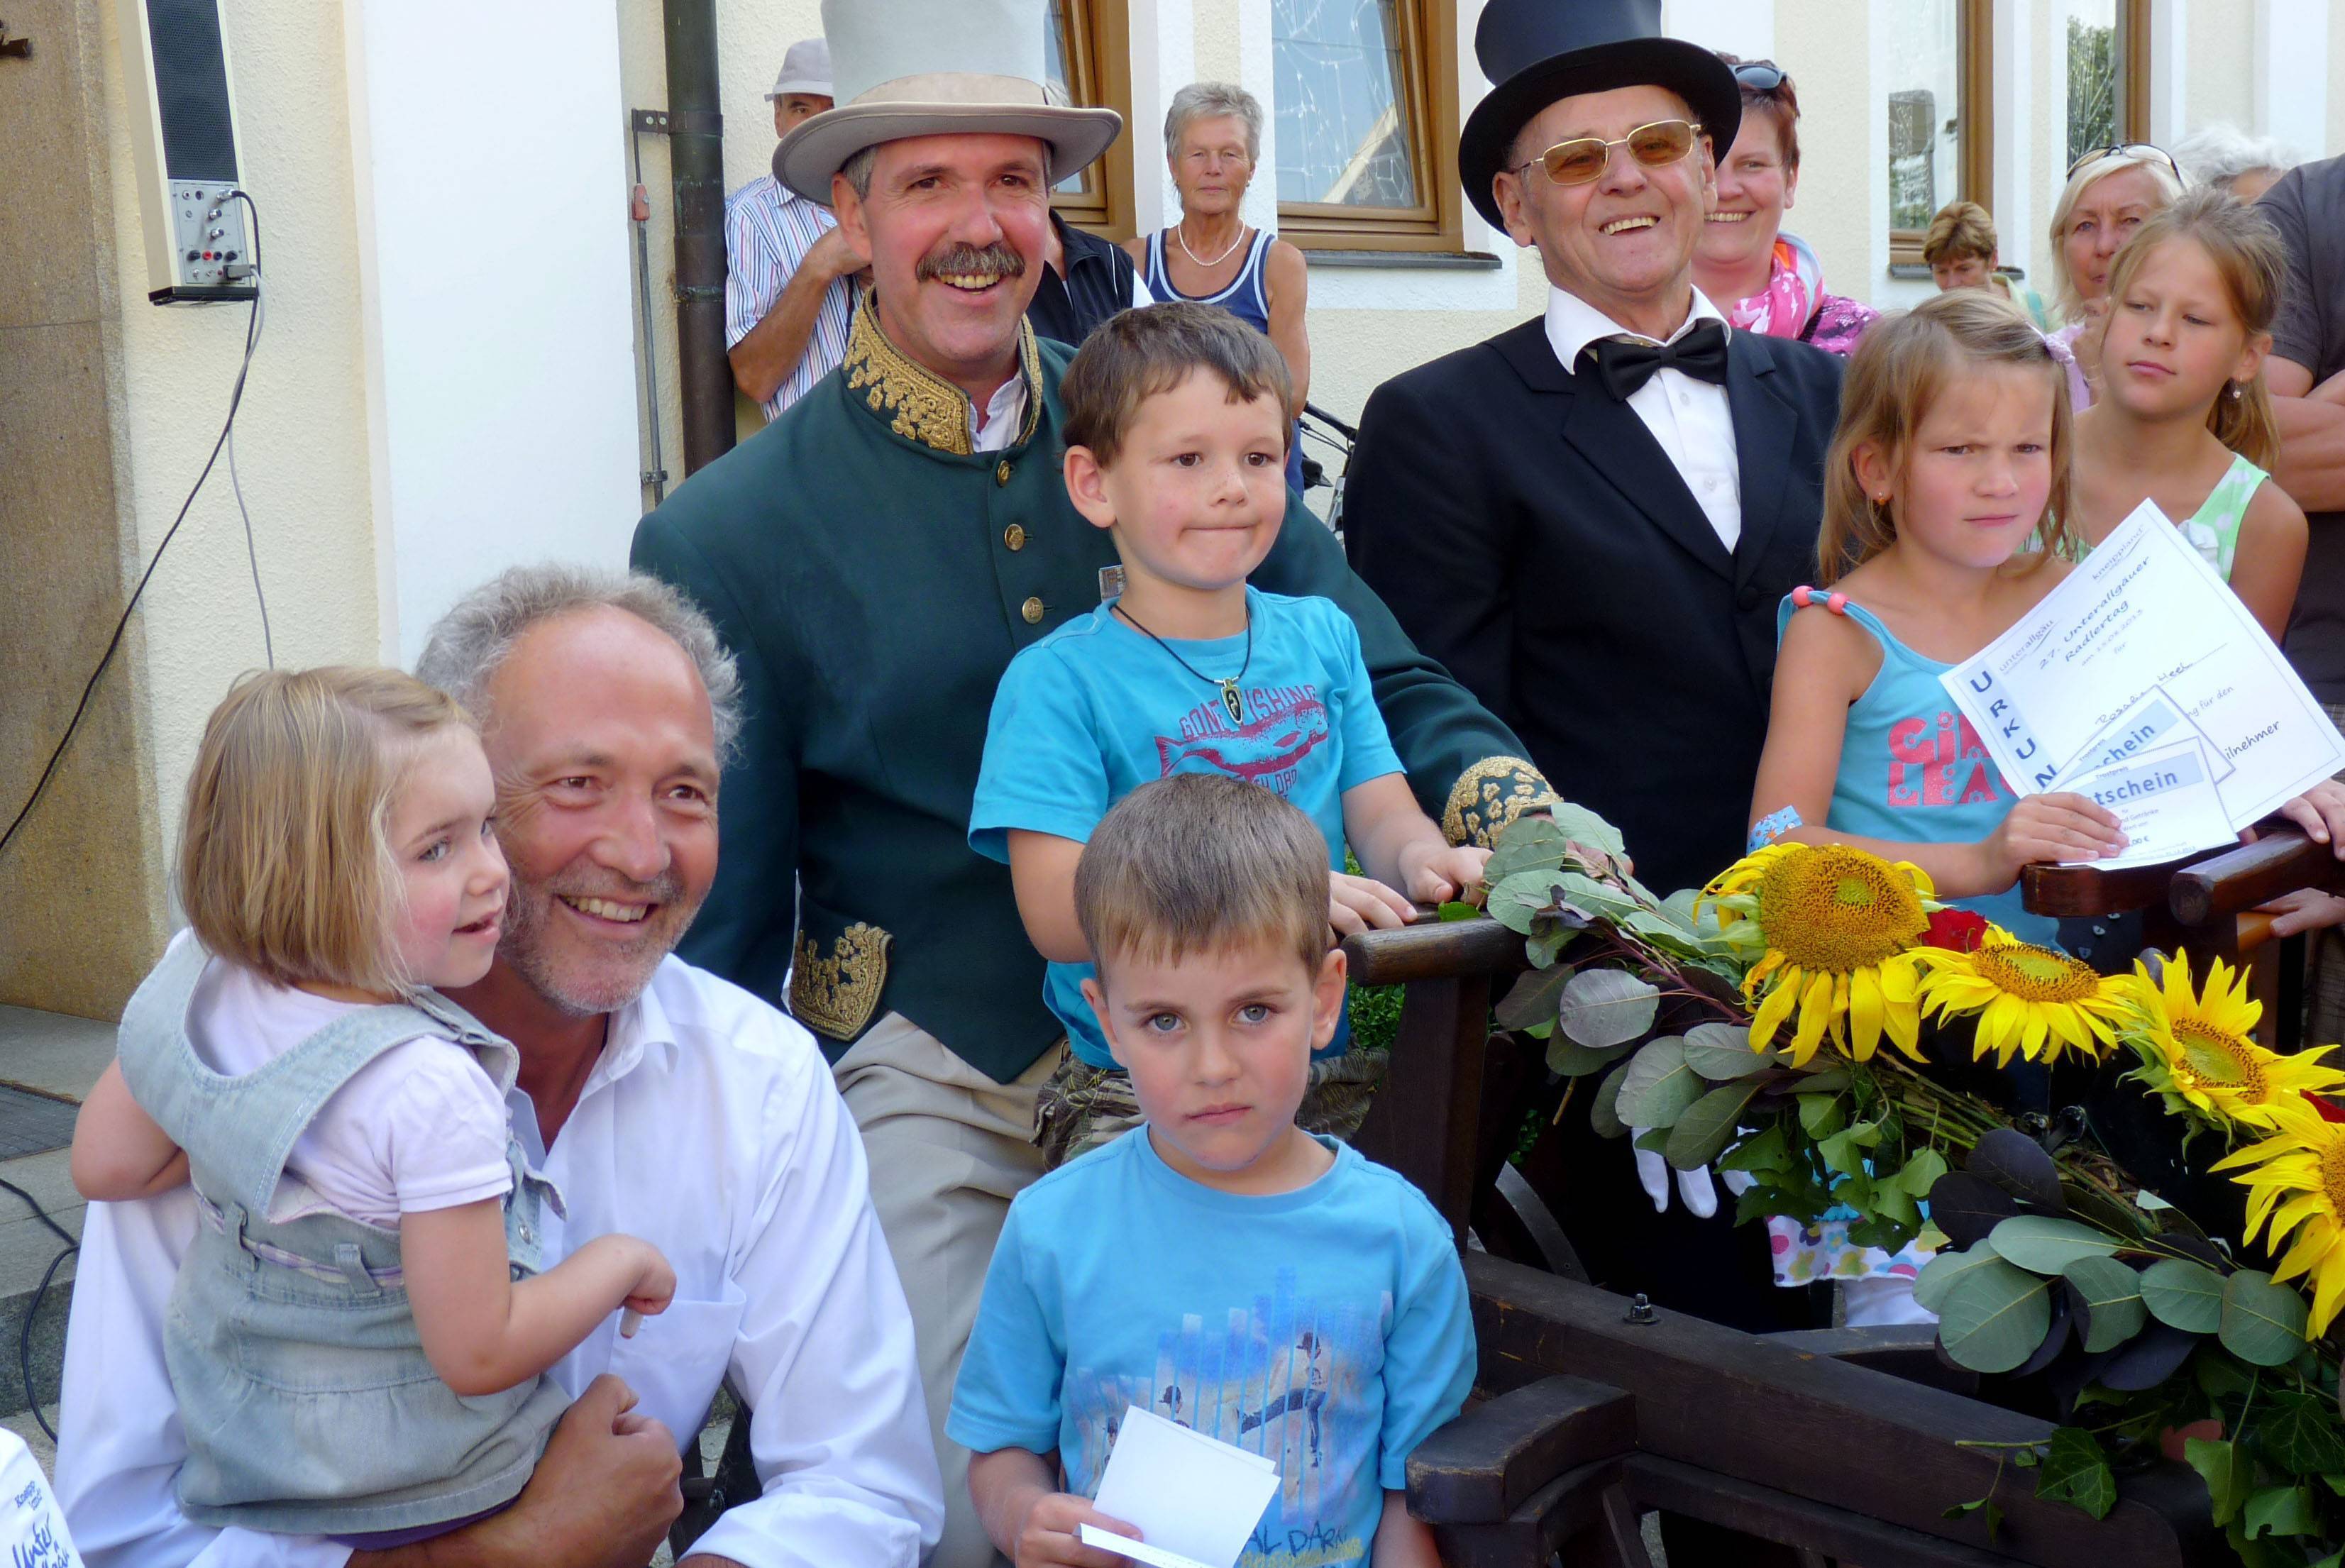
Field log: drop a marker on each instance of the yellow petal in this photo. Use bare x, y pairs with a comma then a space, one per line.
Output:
1865, 1010
1815, 1012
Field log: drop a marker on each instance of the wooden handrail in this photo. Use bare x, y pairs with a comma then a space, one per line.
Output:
1433, 950
2236, 880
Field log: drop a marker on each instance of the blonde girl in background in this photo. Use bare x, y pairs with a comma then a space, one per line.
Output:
2183, 418
357, 1334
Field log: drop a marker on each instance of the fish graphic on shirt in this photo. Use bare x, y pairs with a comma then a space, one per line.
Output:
1271, 745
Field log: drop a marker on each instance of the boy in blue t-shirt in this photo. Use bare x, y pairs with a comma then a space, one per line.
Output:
1218, 1265
1176, 423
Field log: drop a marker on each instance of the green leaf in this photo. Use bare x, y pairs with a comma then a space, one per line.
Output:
1652, 1140
1552, 939
2262, 1323
1821, 1115
1985, 1508
2046, 1244
2228, 1471
2299, 1433
1457, 910
1659, 1087
2077, 1470
1920, 1173
1723, 1053
2184, 1295
1577, 822
1765, 1154
1578, 1061
1941, 1274
1603, 1111
1515, 902
1607, 1007
2283, 1511
1844, 1151
1534, 998
1527, 844
2112, 1294
1708, 1126
1994, 1317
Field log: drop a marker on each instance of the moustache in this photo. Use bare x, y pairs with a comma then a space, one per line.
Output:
667, 888
994, 262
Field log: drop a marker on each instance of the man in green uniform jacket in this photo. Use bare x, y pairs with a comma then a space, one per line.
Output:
874, 559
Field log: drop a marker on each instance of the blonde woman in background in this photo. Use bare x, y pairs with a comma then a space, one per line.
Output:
2109, 194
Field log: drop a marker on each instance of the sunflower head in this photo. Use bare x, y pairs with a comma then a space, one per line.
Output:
1838, 926
2030, 1001
2196, 1050
2295, 1179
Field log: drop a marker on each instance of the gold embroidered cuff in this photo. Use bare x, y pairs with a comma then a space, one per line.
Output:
835, 995
1491, 795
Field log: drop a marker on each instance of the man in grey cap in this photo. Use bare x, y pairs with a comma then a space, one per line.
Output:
788, 288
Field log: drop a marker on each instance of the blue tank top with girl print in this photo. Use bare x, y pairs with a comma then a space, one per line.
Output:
1911, 769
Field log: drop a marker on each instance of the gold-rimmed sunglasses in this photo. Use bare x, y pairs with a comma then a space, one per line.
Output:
1584, 159
2122, 148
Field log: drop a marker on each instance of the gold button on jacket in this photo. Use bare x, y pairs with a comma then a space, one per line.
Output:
1033, 611
1014, 536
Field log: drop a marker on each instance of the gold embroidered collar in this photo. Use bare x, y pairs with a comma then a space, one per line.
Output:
921, 405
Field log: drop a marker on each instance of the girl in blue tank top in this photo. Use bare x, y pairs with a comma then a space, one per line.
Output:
1953, 448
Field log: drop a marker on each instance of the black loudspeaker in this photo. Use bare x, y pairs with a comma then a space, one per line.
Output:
183, 135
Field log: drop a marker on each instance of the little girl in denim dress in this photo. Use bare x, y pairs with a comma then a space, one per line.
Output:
359, 1334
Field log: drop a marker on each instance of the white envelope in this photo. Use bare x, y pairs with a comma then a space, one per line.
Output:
1195, 1499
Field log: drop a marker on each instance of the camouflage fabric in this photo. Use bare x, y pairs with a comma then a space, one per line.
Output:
1083, 1107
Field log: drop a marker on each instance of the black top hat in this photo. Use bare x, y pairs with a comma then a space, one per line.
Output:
1537, 51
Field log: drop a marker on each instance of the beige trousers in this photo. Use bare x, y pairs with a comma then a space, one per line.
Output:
948, 1148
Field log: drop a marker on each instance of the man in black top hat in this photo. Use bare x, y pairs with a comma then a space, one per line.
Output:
1598, 550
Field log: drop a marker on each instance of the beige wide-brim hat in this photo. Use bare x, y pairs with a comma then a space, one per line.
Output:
936, 67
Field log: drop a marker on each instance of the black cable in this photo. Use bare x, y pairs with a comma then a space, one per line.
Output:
236, 396
25, 1333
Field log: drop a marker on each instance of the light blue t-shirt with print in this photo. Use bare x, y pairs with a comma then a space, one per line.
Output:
1325, 1328
1097, 709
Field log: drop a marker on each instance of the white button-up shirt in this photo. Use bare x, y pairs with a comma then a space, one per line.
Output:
1688, 416
768, 230
1005, 414
710, 1127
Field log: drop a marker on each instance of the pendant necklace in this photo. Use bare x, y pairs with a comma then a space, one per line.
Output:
1230, 701
1180, 233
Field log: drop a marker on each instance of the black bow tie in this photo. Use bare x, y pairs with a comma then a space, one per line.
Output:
1622, 368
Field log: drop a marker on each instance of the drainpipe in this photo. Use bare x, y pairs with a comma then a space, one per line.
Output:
697, 157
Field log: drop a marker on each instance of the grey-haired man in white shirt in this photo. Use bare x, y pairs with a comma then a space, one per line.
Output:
662, 1101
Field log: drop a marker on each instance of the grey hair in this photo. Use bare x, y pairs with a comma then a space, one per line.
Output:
858, 170
1211, 101
469, 643
2220, 153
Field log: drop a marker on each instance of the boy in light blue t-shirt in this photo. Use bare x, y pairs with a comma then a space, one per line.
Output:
1218, 1266
1177, 428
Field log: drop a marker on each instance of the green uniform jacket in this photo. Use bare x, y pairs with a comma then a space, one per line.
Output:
874, 576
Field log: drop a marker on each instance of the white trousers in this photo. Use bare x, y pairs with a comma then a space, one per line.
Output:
948, 1148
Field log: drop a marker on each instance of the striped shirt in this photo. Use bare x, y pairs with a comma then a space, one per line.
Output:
768, 230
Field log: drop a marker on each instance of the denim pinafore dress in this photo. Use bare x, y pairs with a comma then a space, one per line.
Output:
306, 1401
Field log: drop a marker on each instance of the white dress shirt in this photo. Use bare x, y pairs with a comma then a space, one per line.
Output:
1688, 416
709, 1126
1004, 414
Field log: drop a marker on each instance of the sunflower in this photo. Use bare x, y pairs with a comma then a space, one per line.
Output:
2032, 1001
2196, 1051
1838, 925
2298, 1187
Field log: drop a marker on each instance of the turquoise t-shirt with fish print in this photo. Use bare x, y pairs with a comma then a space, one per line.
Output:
1097, 709
1326, 1329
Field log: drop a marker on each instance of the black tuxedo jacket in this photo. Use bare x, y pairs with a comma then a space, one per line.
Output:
1528, 532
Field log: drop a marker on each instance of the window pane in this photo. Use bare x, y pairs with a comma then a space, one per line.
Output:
2093, 81
1057, 34
1924, 111
1344, 135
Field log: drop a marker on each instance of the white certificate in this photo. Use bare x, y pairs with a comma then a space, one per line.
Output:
2145, 613
1195, 1499
2165, 799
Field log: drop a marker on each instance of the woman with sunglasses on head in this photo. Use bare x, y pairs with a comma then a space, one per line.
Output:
1763, 280
2111, 191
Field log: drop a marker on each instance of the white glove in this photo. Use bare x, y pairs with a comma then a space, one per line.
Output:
1694, 1188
